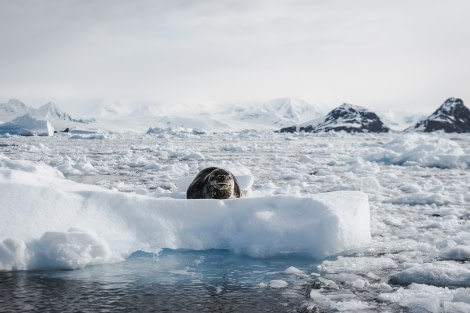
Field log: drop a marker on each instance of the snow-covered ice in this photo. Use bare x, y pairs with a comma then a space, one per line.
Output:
65, 224
71, 203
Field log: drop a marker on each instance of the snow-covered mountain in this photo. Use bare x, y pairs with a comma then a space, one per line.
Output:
59, 119
51, 111
12, 109
347, 117
400, 120
273, 113
451, 117
267, 115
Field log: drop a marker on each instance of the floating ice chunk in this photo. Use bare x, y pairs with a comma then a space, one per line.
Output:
422, 150
357, 264
352, 306
278, 283
423, 298
307, 159
359, 283
319, 298
410, 188
39, 169
462, 295
460, 253
79, 167
68, 250
12, 255
191, 155
89, 137
359, 166
367, 184
424, 198
82, 133
292, 270
435, 274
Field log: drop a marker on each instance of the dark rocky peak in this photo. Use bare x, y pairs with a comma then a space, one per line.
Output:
451, 117
347, 117
352, 119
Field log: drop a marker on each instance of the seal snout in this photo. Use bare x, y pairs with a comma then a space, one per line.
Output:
222, 178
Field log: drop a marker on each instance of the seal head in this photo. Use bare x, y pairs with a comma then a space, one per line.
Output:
214, 183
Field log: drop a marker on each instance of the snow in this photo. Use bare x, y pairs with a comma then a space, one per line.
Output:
384, 216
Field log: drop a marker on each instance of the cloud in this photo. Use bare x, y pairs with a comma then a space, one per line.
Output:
365, 52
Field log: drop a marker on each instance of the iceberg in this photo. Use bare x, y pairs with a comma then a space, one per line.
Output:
26, 125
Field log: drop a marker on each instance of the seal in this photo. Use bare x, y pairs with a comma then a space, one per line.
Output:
214, 183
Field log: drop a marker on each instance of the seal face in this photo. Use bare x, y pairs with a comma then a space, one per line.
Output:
214, 183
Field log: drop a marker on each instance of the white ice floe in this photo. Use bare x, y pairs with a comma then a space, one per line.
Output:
111, 224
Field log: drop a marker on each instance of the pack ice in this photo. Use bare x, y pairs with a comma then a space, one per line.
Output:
51, 222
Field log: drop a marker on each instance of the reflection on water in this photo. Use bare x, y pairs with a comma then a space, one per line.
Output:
174, 281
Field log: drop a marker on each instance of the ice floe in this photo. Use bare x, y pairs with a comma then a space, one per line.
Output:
70, 225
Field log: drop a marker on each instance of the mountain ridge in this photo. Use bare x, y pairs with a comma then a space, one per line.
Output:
59, 119
286, 114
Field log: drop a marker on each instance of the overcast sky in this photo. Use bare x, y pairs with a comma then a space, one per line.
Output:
401, 54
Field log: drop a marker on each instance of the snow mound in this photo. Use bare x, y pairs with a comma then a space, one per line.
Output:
27, 125
422, 150
71, 225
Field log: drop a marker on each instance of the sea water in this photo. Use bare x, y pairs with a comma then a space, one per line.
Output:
170, 281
